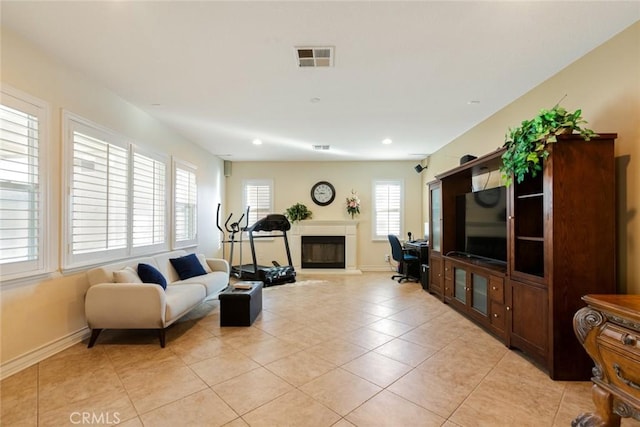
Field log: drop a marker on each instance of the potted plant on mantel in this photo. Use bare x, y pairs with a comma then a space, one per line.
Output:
527, 145
297, 212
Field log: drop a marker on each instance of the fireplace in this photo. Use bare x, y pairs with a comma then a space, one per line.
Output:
347, 229
322, 251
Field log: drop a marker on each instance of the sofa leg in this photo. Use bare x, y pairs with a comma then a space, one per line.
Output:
161, 335
94, 337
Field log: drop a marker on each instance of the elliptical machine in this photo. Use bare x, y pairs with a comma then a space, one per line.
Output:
232, 229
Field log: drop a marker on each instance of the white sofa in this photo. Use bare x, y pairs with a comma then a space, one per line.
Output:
136, 305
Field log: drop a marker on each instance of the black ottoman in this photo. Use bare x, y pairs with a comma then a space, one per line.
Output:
240, 307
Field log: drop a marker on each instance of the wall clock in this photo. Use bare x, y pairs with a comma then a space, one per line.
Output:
323, 193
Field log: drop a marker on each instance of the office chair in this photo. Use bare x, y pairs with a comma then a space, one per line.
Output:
403, 258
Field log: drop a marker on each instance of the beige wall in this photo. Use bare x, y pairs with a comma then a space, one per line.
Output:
605, 84
38, 317
293, 182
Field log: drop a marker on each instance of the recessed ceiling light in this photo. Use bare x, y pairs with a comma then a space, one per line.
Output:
386, 141
257, 141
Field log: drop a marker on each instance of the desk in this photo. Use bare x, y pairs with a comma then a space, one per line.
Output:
421, 250
609, 330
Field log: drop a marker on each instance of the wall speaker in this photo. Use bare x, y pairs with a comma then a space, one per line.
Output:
227, 168
467, 158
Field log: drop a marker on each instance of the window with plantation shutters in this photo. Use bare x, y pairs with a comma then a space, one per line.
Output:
149, 202
185, 205
98, 194
258, 196
23, 249
387, 208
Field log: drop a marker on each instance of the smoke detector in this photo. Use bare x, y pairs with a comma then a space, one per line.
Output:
308, 56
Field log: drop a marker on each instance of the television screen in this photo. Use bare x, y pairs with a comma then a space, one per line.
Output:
485, 223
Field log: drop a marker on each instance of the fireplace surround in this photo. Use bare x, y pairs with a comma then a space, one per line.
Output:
345, 228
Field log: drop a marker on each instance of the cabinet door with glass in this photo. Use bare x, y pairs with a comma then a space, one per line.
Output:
435, 217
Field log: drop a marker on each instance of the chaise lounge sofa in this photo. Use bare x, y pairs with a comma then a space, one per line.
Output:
118, 299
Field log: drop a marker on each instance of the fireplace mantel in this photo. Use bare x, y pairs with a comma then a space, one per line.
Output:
346, 228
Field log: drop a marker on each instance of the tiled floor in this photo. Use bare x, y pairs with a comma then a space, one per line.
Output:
333, 350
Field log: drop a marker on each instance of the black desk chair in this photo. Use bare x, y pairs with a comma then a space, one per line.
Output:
403, 258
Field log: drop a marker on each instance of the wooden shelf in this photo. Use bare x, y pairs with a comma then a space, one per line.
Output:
530, 239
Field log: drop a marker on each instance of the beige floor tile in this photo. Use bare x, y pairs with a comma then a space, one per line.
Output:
575, 401
376, 309
390, 327
199, 349
367, 338
293, 409
280, 326
406, 352
374, 329
388, 409
238, 422
203, 408
343, 423
152, 388
251, 390
300, 368
340, 390
439, 386
526, 403
337, 351
97, 409
308, 337
221, 368
377, 368
269, 350
55, 391
417, 315
133, 422
19, 398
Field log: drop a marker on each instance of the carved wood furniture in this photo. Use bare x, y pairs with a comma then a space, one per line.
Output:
609, 330
560, 246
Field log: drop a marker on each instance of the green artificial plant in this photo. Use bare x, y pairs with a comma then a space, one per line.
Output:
297, 212
527, 145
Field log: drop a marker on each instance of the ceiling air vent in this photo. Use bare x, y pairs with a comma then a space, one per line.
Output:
314, 56
321, 147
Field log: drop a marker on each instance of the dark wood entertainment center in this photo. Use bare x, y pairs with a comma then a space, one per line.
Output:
560, 247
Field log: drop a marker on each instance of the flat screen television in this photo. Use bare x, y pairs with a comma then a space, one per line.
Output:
485, 223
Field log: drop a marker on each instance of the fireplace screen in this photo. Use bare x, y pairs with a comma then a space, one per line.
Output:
322, 252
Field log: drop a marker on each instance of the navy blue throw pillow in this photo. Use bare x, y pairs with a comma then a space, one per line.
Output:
188, 266
150, 274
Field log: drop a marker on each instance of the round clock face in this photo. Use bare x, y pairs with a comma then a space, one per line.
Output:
323, 193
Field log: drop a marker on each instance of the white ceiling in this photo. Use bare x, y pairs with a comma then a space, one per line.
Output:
224, 73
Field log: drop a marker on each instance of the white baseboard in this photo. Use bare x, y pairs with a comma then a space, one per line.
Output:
32, 357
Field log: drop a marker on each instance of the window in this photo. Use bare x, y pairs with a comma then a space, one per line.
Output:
387, 205
116, 198
149, 203
98, 194
23, 193
258, 196
185, 205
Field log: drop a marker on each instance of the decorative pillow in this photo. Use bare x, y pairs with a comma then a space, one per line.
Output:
187, 266
203, 261
150, 274
127, 275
